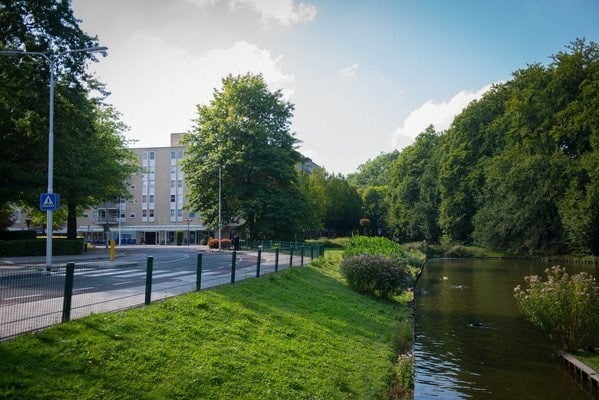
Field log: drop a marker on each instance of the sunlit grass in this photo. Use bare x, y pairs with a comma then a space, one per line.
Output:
299, 334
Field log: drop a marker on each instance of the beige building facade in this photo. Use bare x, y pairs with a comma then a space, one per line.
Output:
155, 210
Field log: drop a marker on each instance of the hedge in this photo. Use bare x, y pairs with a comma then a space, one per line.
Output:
17, 235
37, 247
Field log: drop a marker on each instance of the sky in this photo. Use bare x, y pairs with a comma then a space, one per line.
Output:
365, 77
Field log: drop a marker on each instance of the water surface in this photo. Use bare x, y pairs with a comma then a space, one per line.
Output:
471, 341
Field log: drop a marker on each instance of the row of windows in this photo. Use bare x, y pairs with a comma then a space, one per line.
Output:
152, 155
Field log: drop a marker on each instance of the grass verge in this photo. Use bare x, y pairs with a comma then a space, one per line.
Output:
299, 334
590, 359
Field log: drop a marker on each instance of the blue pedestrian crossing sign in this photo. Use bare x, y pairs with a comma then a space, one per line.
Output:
49, 201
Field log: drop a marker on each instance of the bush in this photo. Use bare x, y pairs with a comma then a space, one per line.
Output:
179, 238
373, 245
565, 306
37, 247
459, 251
224, 244
375, 274
17, 235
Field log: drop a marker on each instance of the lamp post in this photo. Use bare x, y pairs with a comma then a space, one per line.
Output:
51, 64
220, 168
188, 220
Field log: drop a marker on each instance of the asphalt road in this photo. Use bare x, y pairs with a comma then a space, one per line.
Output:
32, 298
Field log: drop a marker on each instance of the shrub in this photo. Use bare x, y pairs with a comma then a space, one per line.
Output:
17, 235
37, 247
372, 245
224, 244
375, 274
459, 251
565, 306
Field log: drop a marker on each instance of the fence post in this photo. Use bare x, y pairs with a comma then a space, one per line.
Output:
199, 273
233, 261
277, 259
149, 268
291, 256
258, 263
302, 263
68, 292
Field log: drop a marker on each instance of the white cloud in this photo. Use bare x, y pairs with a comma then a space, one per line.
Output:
285, 12
168, 82
438, 114
349, 72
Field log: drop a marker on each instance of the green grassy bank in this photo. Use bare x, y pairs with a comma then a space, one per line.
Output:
300, 334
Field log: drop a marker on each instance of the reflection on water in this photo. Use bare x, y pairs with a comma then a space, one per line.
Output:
471, 342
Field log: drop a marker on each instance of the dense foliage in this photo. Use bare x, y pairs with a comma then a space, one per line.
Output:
376, 266
335, 207
244, 134
565, 306
517, 170
92, 162
375, 274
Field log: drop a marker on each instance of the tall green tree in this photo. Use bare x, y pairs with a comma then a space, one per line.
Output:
245, 132
47, 26
473, 136
344, 206
375, 172
414, 193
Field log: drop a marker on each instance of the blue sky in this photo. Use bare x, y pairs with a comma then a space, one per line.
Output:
365, 76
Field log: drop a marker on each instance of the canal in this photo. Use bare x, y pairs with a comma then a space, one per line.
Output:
472, 343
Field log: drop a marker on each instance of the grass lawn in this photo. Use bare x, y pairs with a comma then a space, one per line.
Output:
299, 334
592, 360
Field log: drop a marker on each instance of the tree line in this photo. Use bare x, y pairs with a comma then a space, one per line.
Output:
517, 170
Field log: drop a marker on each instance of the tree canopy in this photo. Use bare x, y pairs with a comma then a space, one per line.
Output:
245, 132
517, 169
91, 158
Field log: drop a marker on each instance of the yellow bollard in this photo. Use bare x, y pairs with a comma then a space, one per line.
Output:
112, 251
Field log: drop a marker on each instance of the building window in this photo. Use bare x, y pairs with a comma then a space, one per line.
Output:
180, 198
152, 183
180, 154
144, 213
173, 198
173, 169
172, 183
180, 213
132, 216
123, 216
144, 198
152, 170
152, 155
132, 187
173, 155
180, 183
144, 155
151, 198
173, 213
151, 213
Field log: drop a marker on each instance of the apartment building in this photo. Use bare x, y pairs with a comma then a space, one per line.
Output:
155, 210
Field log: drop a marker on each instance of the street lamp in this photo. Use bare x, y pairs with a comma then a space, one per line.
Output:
188, 220
220, 186
51, 64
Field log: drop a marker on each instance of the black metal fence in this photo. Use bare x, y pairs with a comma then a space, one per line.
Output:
32, 298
